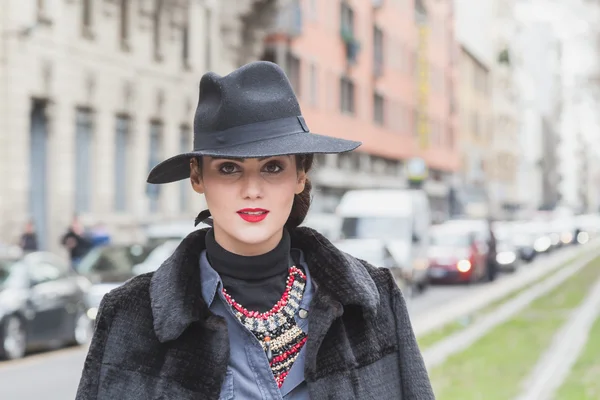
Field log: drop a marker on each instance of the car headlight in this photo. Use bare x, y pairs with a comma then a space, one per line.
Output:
92, 313
583, 237
463, 265
506, 257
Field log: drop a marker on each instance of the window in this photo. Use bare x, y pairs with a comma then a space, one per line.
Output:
42, 12
475, 124
378, 109
184, 147
157, 19
83, 159
185, 45
415, 122
122, 144
347, 96
154, 157
347, 19
293, 71
87, 10
312, 9
314, 85
208, 38
124, 26
378, 59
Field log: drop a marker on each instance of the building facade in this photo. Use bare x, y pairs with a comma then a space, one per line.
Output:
380, 72
504, 160
92, 95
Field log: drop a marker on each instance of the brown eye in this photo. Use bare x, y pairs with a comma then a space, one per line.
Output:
273, 168
228, 168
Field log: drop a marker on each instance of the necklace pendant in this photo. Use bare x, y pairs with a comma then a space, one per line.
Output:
268, 348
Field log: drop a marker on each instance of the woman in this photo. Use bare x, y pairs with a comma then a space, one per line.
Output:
256, 307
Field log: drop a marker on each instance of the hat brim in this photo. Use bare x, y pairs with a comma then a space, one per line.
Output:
178, 167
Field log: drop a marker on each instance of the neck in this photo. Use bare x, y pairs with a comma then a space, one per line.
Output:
243, 248
248, 267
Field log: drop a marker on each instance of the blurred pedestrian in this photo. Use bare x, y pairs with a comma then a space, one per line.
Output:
29, 240
76, 242
492, 262
255, 307
99, 235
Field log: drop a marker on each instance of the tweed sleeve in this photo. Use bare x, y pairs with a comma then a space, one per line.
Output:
90, 377
413, 374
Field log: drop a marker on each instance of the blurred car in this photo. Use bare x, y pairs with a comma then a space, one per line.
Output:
107, 268
588, 227
507, 251
377, 253
327, 224
156, 257
158, 233
455, 255
42, 304
481, 231
399, 219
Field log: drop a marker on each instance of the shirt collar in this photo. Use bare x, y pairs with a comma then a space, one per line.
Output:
211, 281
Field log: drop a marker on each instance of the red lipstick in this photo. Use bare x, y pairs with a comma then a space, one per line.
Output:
253, 214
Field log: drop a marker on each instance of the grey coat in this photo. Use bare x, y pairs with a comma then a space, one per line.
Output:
156, 339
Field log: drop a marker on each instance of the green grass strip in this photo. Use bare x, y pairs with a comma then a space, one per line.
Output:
495, 365
583, 382
453, 327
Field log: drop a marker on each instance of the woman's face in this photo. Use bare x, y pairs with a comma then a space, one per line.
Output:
249, 199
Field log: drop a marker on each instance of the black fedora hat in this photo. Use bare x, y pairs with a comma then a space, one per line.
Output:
250, 113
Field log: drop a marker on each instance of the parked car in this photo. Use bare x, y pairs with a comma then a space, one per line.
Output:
42, 304
400, 219
456, 255
157, 257
109, 267
481, 231
507, 250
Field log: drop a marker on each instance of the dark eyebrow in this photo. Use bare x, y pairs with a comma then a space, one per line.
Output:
239, 159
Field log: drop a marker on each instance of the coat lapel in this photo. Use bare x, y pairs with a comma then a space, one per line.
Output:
175, 290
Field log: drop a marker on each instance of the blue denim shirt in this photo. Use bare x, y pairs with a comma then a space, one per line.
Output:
249, 375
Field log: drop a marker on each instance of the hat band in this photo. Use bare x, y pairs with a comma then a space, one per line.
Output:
249, 133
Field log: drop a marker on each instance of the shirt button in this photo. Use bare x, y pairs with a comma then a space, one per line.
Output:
303, 313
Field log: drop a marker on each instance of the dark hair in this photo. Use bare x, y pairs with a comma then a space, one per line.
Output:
301, 205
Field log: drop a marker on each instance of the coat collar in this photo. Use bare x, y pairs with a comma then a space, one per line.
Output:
175, 288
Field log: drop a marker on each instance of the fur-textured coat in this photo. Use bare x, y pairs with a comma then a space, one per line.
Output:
155, 338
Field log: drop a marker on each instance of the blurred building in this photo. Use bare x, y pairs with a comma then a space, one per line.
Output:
560, 68
95, 93
475, 103
538, 76
502, 164
550, 198
380, 72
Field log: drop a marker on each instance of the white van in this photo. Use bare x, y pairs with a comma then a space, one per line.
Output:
399, 220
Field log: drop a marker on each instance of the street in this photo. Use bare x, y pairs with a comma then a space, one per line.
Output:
54, 375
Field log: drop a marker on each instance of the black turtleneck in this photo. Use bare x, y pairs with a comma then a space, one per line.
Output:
255, 282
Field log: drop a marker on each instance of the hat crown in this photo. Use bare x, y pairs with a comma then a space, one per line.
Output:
256, 92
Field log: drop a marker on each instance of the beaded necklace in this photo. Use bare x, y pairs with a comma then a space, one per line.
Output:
276, 329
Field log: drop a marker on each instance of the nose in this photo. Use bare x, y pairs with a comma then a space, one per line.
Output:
252, 186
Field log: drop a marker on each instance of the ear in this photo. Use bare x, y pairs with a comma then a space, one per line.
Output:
195, 178
301, 182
